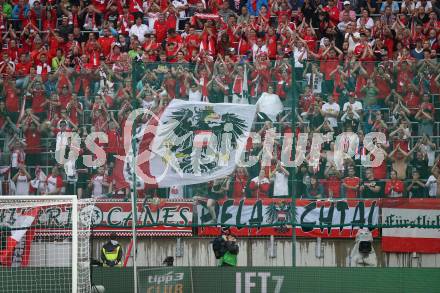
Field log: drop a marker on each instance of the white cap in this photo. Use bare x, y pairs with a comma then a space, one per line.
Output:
346, 2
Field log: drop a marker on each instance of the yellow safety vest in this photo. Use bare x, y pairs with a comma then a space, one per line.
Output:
111, 256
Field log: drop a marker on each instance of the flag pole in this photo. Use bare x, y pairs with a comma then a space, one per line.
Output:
293, 173
134, 210
245, 88
133, 200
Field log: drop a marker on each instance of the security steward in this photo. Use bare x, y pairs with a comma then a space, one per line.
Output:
111, 253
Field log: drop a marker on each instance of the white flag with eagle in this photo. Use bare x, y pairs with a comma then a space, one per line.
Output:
193, 142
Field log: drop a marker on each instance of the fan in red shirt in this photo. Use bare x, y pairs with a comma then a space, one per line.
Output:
241, 178
333, 12
412, 99
65, 96
329, 62
383, 82
106, 42
114, 146
171, 52
74, 108
151, 44
427, 106
161, 28
192, 41
394, 187
100, 5
12, 100
173, 37
39, 100
350, 184
14, 51
260, 186
33, 144
7, 66
23, 67
333, 182
42, 66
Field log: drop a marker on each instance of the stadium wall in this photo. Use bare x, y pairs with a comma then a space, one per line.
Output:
257, 252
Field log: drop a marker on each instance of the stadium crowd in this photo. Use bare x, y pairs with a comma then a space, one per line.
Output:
360, 66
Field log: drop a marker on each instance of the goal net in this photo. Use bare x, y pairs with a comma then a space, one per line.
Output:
44, 244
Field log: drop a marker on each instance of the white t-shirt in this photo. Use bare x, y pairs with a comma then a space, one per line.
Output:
314, 81
139, 31
334, 109
411, 7
176, 191
428, 5
54, 182
194, 95
270, 104
368, 25
281, 184
178, 4
356, 106
257, 50
431, 184
22, 185
299, 56
430, 153
148, 104
97, 182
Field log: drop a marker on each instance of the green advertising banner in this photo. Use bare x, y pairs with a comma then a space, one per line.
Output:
278, 280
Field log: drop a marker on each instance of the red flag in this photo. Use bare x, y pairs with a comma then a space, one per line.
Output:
23, 222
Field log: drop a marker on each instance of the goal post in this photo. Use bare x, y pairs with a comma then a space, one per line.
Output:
44, 243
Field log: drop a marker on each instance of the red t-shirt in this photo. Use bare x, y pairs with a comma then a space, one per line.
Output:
333, 14
12, 101
350, 193
161, 29
428, 107
114, 142
33, 140
106, 44
259, 190
38, 98
333, 186
327, 66
99, 5
383, 87
239, 186
64, 100
397, 186
412, 101
380, 172
22, 69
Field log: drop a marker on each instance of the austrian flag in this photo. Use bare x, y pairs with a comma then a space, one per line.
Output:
20, 231
191, 143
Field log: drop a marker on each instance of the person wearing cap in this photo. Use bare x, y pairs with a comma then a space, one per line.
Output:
225, 248
347, 8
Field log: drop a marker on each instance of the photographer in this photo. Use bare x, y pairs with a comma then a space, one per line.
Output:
226, 248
